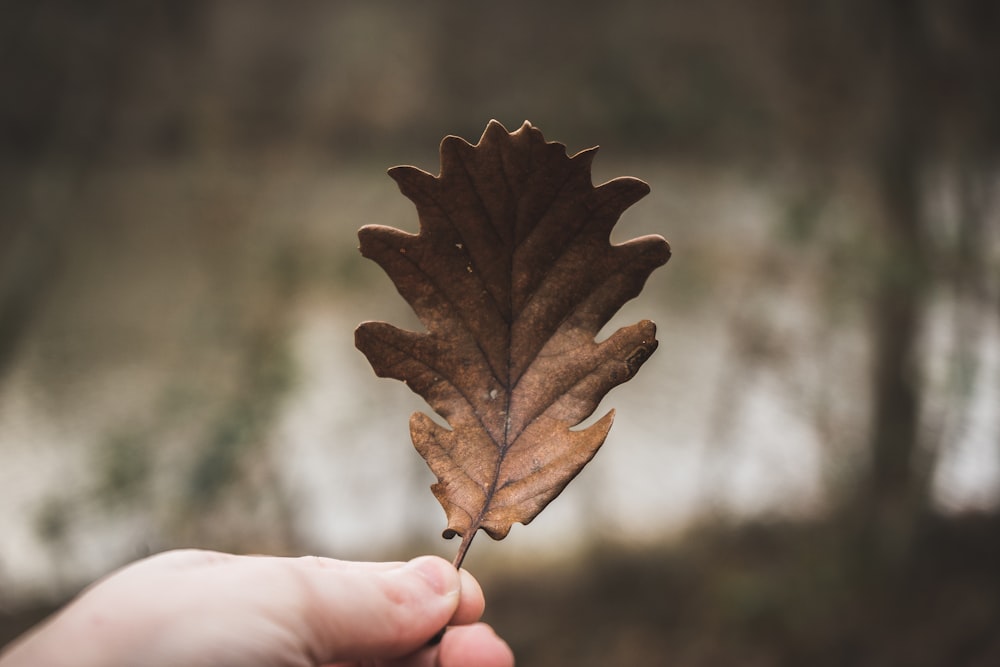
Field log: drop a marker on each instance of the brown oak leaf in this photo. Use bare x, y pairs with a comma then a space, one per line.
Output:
513, 274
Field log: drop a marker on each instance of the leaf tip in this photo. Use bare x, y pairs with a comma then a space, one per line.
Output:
410, 179
496, 126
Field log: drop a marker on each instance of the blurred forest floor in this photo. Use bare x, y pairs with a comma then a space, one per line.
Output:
764, 595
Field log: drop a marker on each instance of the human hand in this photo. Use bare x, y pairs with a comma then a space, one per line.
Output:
206, 608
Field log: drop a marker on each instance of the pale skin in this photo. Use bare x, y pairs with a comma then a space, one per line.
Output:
210, 609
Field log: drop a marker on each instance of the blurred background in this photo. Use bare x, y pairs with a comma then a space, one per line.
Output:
806, 472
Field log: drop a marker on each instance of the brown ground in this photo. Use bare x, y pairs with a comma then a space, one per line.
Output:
765, 596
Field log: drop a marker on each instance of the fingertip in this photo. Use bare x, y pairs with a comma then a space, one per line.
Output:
439, 575
470, 584
474, 644
471, 603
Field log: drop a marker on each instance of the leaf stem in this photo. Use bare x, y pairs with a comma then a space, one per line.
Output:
459, 557
464, 547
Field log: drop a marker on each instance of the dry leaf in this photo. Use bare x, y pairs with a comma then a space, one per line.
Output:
513, 275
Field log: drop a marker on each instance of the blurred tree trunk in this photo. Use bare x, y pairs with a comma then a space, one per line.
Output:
892, 495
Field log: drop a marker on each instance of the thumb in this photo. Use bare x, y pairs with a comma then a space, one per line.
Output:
372, 612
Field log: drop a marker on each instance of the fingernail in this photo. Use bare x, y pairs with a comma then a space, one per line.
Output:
442, 578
